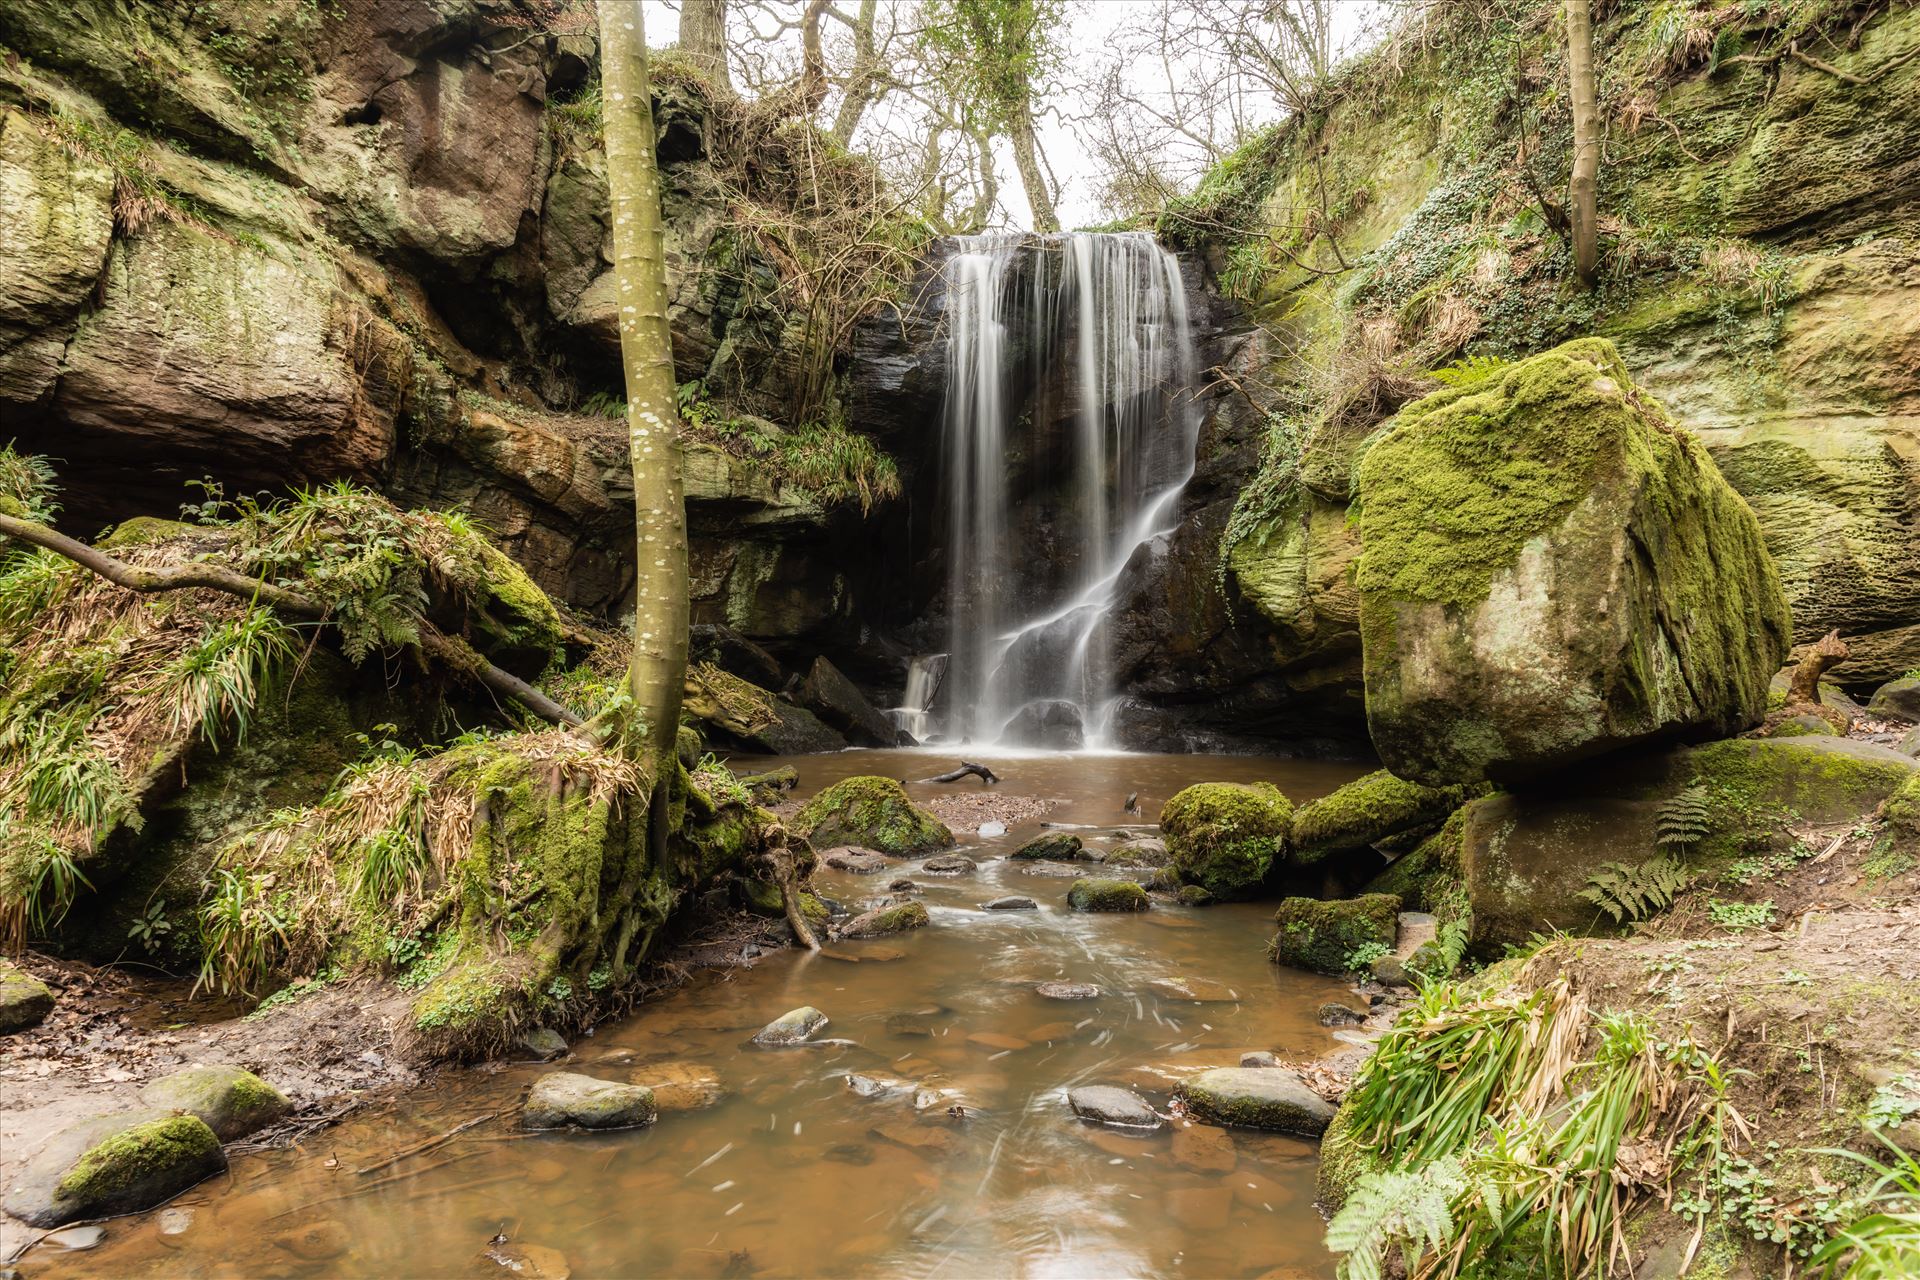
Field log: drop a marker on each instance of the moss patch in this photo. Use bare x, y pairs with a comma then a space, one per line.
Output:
873, 813
137, 1156
1370, 809
1097, 894
1226, 836
1322, 936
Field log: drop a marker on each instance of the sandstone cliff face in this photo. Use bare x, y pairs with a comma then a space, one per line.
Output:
294, 241
1763, 249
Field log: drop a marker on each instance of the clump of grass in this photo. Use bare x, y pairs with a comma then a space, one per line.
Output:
1883, 1242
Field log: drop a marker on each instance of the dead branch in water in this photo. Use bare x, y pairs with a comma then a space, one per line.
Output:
980, 771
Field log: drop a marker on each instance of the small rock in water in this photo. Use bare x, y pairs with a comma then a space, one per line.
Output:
317, 1241
866, 1086
1257, 1098
1200, 1208
1056, 846
1068, 990
1391, 971
796, 1026
902, 885
542, 1044
1259, 1058
907, 1024
884, 920
1335, 1014
860, 862
563, 1098
858, 1153
1011, 904
528, 1261
1105, 1104
681, 1086
1058, 870
949, 864
174, 1222
1146, 851
76, 1238
990, 829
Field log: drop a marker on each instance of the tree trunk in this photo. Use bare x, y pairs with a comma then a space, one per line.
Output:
703, 38
1026, 156
813, 58
860, 81
1583, 189
660, 605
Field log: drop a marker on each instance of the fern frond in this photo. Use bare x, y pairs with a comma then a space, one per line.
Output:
1684, 820
1468, 371
1631, 893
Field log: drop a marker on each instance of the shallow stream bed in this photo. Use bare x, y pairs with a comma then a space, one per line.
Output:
793, 1173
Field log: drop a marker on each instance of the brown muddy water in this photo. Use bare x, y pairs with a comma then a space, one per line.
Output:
790, 1172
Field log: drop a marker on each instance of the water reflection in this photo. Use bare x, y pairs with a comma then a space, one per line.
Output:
781, 1168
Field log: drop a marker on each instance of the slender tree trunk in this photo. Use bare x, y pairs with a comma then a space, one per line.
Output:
813, 58
703, 38
860, 81
1026, 155
660, 605
1584, 188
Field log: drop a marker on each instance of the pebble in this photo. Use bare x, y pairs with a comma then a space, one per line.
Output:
1259, 1058
175, 1222
793, 1027
1068, 990
902, 885
1011, 904
859, 862
990, 829
76, 1238
866, 1086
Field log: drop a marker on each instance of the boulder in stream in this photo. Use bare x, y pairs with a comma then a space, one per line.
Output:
1068, 990
1011, 904
1097, 894
796, 1026
231, 1102
1049, 722
1226, 836
113, 1164
1107, 1104
835, 699
1897, 698
1055, 846
949, 864
857, 861
1369, 809
873, 813
1272, 1098
897, 918
1550, 568
25, 1001
566, 1098
1322, 936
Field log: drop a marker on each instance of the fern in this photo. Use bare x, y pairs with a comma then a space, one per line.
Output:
1469, 371
1411, 1208
1684, 820
1630, 893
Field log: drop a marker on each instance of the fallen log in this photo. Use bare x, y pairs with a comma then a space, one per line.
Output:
979, 771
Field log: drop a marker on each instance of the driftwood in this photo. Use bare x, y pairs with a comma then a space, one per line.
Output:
980, 771
780, 858
1829, 650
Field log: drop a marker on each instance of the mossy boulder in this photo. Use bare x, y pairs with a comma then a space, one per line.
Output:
1899, 698
1902, 809
1271, 1098
1099, 894
1321, 935
1054, 846
1226, 836
231, 1102
1370, 809
563, 1099
897, 918
1551, 569
795, 1026
873, 813
25, 1001
114, 1164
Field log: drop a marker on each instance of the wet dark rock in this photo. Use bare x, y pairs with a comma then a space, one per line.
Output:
114, 1164
854, 1153
1053, 723
563, 1098
1146, 851
834, 698
1105, 1104
1275, 1099
1011, 904
949, 864
1335, 1014
908, 1024
1192, 895
1055, 870
1068, 990
858, 861
866, 1086
796, 1026
1259, 1058
542, 1044
1899, 698
884, 920
25, 1001
902, 885
1391, 971
1057, 846
231, 1102
732, 652
1204, 1149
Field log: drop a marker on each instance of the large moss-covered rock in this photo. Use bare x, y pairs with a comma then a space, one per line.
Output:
1296, 568
1098, 894
231, 1102
1551, 569
114, 1164
897, 918
1322, 935
25, 1001
53, 247
1369, 809
1527, 855
873, 813
1226, 836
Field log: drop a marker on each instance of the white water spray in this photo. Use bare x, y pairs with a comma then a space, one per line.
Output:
1028, 660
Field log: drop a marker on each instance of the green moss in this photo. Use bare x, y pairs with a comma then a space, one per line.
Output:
1344, 1159
141, 530
874, 813
1097, 894
120, 1163
1752, 785
1370, 809
1320, 935
1438, 856
1226, 836
1902, 809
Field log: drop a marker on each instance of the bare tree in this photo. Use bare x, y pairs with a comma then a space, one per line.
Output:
703, 39
1583, 189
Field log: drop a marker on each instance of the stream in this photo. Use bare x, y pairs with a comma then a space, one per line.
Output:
791, 1171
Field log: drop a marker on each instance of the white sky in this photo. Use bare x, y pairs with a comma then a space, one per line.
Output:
1091, 28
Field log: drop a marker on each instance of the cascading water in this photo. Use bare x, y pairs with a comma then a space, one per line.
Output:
1028, 660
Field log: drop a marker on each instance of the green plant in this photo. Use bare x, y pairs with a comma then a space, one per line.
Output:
1894, 1102
1631, 893
1685, 820
1468, 370
1361, 958
1883, 1244
239, 931
1741, 915
150, 930
216, 680
1406, 1209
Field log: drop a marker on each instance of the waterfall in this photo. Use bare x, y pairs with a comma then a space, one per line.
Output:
915, 714
1102, 450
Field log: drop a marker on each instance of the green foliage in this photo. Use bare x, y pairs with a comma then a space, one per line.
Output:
1001, 50
1631, 893
1884, 1243
1361, 958
150, 928
239, 933
1741, 915
26, 485
214, 682
825, 459
1265, 499
1685, 820
1410, 1210
1468, 370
